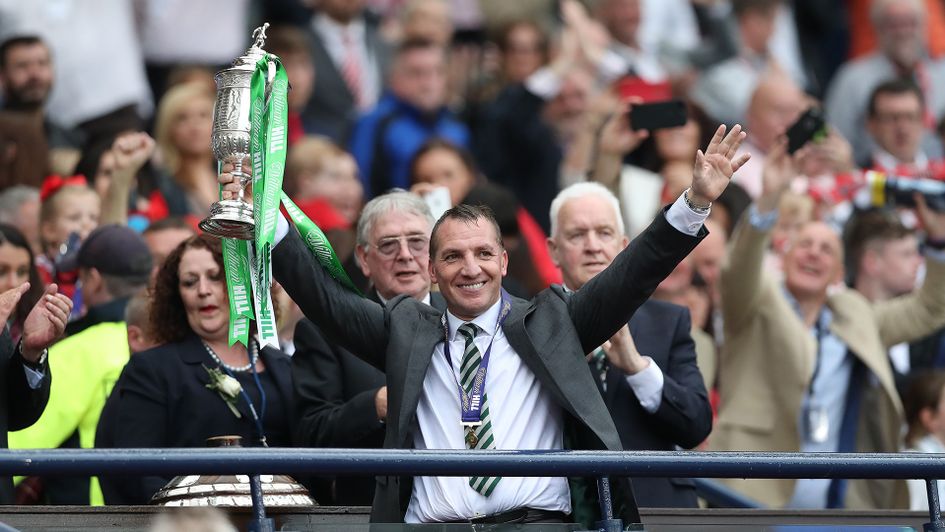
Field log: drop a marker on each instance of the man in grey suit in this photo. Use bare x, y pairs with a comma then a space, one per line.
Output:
539, 391
350, 60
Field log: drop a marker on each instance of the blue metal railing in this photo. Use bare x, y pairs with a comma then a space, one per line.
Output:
371, 462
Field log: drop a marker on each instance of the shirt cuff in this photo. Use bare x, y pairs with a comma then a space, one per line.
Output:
544, 83
282, 229
34, 378
684, 219
648, 386
762, 221
938, 255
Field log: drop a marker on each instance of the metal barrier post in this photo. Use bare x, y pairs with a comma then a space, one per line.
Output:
607, 522
935, 523
259, 522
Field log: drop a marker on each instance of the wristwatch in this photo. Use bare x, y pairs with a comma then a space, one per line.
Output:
700, 209
40, 362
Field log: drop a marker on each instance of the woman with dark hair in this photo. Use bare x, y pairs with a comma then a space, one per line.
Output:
195, 386
925, 417
17, 267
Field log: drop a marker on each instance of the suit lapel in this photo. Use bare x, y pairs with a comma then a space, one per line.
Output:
281, 371
429, 332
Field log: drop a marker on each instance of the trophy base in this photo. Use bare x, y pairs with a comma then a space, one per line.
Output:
230, 219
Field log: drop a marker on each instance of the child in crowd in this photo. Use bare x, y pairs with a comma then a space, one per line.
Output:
925, 416
69, 211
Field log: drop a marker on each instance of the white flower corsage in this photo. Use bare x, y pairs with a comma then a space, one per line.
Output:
228, 388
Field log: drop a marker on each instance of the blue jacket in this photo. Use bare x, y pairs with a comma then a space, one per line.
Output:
385, 140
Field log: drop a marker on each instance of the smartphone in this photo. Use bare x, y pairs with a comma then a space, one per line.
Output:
810, 126
439, 201
659, 115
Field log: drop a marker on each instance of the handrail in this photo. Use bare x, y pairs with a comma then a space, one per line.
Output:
371, 462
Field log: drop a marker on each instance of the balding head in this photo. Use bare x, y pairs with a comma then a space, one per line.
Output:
900, 28
776, 104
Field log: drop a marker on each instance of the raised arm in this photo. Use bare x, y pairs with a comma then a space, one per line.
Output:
741, 279
346, 318
606, 303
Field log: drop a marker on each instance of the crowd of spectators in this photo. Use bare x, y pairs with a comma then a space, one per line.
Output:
811, 318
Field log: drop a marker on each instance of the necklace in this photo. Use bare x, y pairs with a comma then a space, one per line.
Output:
253, 358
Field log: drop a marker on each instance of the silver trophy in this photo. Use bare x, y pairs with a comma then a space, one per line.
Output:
230, 139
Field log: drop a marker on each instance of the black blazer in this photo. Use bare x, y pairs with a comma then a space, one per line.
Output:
551, 333
162, 401
330, 109
661, 331
20, 405
334, 404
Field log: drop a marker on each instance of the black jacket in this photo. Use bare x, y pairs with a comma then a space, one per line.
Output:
161, 400
661, 331
334, 404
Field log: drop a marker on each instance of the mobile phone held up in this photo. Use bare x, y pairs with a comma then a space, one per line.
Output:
810, 126
658, 115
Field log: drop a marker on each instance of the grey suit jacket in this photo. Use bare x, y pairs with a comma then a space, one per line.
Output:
330, 109
551, 333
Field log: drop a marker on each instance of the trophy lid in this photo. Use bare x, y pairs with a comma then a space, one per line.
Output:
252, 56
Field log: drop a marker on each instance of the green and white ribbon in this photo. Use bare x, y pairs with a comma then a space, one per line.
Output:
248, 267
237, 267
317, 243
268, 142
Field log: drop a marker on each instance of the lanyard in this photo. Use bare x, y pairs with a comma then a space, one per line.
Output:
821, 333
470, 403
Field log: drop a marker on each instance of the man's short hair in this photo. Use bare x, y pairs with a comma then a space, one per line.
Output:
582, 190
740, 7
867, 229
12, 198
414, 44
137, 310
288, 40
894, 87
397, 200
19, 40
470, 214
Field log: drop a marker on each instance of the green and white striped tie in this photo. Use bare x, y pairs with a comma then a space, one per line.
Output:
481, 437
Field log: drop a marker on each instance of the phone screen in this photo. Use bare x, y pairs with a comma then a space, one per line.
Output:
659, 115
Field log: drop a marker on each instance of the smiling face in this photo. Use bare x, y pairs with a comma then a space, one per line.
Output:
204, 294
397, 255
587, 239
14, 266
813, 261
468, 266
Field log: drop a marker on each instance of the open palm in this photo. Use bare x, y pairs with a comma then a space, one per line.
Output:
9, 299
714, 168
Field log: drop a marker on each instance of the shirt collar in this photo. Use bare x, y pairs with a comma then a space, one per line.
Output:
326, 25
486, 321
425, 300
823, 319
890, 163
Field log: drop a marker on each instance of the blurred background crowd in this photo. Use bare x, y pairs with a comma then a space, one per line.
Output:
817, 324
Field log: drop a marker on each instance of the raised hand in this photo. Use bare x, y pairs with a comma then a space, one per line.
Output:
776, 176
9, 301
622, 352
714, 168
131, 151
46, 323
617, 137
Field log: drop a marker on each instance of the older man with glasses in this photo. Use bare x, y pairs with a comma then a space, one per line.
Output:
341, 401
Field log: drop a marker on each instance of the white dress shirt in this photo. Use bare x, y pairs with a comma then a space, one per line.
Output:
331, 34
524, 416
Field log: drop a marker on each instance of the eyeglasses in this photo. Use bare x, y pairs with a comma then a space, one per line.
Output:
417, 245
